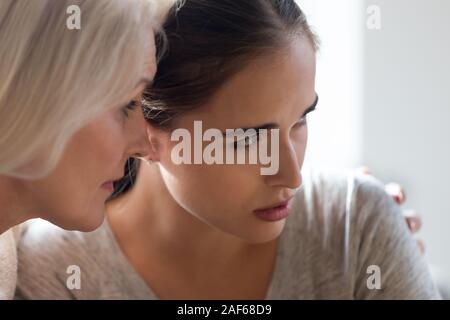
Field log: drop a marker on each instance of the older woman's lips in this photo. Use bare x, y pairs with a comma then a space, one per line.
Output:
277, 212
108, 186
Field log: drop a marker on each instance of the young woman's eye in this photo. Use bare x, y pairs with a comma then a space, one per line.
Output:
302, 122
131, 106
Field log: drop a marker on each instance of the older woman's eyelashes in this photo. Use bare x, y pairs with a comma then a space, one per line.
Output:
130, 107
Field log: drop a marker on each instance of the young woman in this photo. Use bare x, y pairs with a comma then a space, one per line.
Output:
225, 231
69, 110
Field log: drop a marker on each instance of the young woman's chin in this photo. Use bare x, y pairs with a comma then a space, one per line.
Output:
261, 232
90, 223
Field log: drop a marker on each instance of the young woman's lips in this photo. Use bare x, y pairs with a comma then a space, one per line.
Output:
108, 186
277, 212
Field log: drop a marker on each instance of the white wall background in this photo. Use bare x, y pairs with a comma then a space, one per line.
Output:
385, 102
406, 117
333, 129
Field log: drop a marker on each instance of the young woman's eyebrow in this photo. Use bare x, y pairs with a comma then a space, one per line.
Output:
273, 125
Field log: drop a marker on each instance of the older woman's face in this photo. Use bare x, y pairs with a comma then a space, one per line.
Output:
277, 90
73, 196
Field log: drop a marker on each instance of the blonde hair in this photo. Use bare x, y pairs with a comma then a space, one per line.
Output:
53, 80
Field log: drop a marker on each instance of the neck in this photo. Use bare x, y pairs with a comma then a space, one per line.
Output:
152, 216
13, 205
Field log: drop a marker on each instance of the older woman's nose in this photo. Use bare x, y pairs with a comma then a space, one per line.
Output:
139, 145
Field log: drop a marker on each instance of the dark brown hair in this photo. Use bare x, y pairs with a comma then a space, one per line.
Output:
209, 41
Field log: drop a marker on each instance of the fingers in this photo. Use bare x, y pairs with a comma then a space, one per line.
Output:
413, 220
363, 170
396, 192
393, 189
421, 245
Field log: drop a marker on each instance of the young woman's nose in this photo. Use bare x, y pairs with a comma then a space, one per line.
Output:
289, 172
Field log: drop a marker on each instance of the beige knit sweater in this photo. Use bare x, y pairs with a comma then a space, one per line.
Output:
8, 263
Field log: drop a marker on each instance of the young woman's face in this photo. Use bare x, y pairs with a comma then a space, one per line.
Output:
73, 196
277, 89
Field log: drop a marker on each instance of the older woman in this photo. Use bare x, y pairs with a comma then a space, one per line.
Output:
69, 110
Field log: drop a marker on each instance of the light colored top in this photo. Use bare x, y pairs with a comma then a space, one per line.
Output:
8, 263
341, 232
